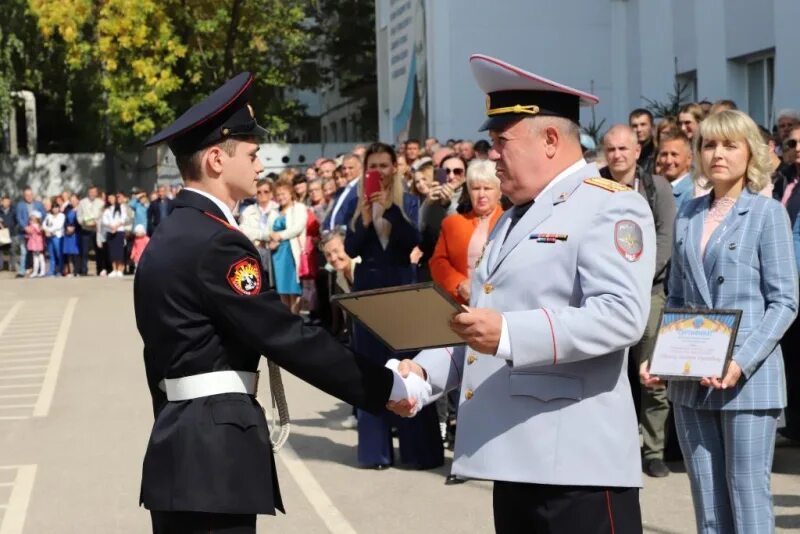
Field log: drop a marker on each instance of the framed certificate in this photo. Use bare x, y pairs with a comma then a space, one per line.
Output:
405, 318
692, 344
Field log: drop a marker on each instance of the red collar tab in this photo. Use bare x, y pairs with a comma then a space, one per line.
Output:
219, 220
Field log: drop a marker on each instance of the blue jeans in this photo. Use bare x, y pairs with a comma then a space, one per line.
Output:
19, 241
56, 257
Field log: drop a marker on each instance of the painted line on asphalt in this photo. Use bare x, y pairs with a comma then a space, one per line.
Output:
15, 406
17, 507
13, 417
322, 504
49, 384
11, 386
14, 377
9, 316
26, 346
19, 396
22, 367
24, 360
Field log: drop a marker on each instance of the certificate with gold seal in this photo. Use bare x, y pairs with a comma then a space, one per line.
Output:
692, 344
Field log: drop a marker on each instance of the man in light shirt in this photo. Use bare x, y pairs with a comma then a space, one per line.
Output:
675, 156
90, 211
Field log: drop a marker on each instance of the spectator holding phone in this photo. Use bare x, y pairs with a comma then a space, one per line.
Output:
382, 235
444, 199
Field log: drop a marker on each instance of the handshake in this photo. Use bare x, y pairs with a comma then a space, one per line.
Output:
410, 391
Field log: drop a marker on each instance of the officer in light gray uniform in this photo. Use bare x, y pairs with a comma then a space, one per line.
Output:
561, 291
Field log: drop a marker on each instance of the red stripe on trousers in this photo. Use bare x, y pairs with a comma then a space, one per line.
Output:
610, 515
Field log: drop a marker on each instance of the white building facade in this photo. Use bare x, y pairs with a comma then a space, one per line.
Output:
621, 50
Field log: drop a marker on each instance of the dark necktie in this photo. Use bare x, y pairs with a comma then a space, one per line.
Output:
519, 213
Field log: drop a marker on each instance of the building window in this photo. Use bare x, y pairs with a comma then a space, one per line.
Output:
688, 83
759, 87
334, 133
324, 134
343, 126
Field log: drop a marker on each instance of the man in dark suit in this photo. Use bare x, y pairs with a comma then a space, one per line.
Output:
345, 200
159, 209
205, 318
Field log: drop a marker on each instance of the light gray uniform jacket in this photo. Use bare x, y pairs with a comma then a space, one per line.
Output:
559, 410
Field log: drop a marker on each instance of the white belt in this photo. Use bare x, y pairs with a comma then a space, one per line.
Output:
205, 384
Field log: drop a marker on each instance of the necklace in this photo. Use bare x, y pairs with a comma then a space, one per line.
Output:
720, 208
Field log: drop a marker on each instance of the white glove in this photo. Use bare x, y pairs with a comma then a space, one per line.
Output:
410, 387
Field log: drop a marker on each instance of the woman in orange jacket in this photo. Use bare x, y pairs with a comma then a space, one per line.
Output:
463, 235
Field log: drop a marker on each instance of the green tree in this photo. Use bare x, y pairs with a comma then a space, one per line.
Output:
273, 39
127, 49
143, 60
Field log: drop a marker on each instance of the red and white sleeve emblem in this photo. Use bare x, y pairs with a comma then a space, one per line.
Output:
244, 276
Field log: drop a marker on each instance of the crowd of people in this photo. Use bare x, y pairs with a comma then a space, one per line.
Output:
56, 236
319, 234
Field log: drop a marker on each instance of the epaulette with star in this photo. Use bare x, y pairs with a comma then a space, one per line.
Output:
608, 185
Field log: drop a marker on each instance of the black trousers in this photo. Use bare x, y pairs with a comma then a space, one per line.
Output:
202, 523
789, 347
544, 509
88, 242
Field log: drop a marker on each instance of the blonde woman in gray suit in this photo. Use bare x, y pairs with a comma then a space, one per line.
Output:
732, 249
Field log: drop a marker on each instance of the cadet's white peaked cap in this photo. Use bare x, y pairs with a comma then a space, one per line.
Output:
513, 93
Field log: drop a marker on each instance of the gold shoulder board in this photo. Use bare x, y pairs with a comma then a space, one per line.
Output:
608, 185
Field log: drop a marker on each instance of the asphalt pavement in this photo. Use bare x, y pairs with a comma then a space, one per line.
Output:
75, 416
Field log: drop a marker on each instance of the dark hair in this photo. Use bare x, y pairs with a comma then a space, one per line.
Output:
264, 181
413, 142
380, 148
117, 204
482, 146
766, 135
453, 156
638, 112
299, 179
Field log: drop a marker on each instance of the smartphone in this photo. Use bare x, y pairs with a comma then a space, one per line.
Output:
441, 176
372, 183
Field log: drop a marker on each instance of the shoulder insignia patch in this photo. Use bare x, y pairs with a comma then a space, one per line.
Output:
608, 185
244, 276
628, 239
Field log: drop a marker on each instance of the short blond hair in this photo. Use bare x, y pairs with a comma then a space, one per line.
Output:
734, 125
482, 171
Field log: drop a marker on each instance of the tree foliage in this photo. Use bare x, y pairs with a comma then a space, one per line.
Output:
126, 67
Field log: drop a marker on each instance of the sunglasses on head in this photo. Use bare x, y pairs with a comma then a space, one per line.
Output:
790, 144
457, 172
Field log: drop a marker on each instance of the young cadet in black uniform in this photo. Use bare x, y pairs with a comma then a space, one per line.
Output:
205, 320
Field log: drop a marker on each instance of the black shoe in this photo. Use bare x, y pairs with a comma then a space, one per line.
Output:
656, 468
19, 276
452, 480
789, 435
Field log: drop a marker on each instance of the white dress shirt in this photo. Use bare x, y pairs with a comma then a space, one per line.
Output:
221, 205
340, 201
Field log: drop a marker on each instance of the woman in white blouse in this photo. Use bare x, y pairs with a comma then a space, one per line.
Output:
115, 218
288, 237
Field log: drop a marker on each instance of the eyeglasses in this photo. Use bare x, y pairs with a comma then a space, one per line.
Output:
265, 192
791, 144
456, 172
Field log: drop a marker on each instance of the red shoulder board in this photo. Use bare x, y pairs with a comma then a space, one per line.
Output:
244, 276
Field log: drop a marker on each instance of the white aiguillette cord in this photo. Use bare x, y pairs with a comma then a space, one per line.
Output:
278, 402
